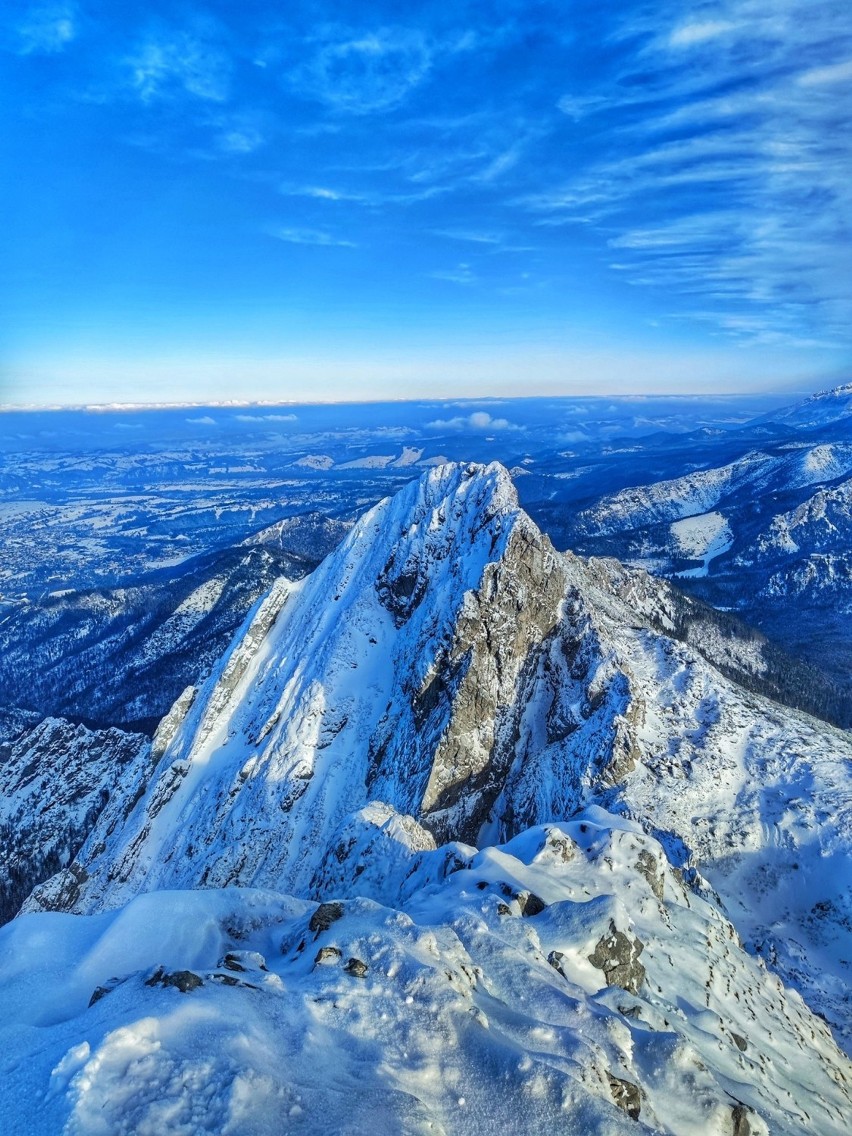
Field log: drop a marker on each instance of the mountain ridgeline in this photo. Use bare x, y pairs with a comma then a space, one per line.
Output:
450, 789
446, 661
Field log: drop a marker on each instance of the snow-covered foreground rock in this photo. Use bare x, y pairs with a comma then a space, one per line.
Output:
567, 981
446, 676
446, 661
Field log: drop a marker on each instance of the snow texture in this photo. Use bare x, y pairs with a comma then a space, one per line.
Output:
567, 981
400, 738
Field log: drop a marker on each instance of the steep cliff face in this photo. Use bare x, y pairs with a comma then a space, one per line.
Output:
446, 664
399, 671
55, 780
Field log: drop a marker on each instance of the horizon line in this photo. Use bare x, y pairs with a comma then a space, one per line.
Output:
243, 404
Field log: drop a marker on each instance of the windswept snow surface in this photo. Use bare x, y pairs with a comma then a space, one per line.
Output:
567, 981
446, 676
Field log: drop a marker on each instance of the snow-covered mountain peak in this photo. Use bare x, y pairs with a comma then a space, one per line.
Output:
379, 677
446, 676
835, 392
819, 409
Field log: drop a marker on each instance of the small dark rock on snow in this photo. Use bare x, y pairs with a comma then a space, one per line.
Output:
184, 980
625, 1095
324, 916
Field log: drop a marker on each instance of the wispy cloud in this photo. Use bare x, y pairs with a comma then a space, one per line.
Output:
179, 64
295, 236
47, 28
372, 198
266, 417
461, 274
475, 236
734, 181
579, 107
699, 31
363, 74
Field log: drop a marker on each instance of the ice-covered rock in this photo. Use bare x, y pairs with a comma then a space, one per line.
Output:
447, 676
248, 1012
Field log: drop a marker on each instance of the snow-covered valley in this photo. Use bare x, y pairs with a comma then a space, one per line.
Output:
445, 830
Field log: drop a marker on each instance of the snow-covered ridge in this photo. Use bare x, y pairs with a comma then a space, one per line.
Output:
446, 662
824, 407
699, 493
566, 981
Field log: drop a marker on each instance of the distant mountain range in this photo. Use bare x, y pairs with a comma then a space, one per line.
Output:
766, 534
512, 791
414, 823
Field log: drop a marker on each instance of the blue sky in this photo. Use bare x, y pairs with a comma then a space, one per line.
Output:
341, 200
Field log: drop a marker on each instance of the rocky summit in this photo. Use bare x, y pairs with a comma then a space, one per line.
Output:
503, 836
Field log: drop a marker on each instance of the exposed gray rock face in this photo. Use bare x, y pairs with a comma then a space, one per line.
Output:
446, 676
651, 869
55, 779
617, 955
169, 724
184, 980
324, 916
626, 1096
740, 1116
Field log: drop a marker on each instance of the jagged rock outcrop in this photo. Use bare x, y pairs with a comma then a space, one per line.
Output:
400, 671
55, 779
447, 665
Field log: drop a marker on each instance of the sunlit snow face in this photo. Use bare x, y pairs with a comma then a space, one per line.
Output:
228, 1010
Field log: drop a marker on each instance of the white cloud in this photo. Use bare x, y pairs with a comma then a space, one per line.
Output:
478, 420
241, 141
47, 29
296, 236
205, 420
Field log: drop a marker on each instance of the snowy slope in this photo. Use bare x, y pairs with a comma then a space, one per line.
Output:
566, 982
819, 524
446, 661
821, 409
697, 494
55, 778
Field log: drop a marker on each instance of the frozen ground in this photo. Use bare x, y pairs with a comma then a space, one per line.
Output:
565, 982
